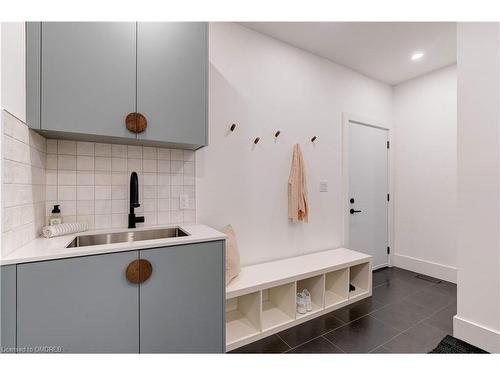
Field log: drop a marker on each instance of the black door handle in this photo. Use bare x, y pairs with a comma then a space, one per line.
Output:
353, 211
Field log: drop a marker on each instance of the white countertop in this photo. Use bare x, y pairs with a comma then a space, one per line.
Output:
42, 248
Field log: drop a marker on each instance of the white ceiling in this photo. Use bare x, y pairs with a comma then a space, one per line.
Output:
380, 50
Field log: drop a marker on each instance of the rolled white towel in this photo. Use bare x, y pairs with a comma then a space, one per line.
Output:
63, 229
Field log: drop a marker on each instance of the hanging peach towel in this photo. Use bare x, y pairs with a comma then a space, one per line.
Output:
298, 209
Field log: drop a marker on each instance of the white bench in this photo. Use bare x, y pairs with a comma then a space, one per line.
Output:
261, 300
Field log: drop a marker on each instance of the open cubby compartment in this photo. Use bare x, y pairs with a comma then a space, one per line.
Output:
316, 287
359, 277
243, 317
278, 306
336, 287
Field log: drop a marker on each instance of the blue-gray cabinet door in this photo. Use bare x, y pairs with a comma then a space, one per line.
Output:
8, 309
172, 60
80, 305
88, 77
182, 304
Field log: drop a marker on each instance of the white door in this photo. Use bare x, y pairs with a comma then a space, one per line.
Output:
368, 191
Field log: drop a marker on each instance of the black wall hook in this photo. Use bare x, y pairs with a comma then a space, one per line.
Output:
256, 140
313, 138
233, 126
277, 134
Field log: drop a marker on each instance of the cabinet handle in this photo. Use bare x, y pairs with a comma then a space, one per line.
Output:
136, 122
139, 271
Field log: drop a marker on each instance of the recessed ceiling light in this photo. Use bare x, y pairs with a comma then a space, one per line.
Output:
417, 56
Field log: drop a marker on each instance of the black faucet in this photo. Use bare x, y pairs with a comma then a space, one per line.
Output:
134, 201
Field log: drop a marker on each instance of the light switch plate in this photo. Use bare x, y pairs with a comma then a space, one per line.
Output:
323, 186
183, 201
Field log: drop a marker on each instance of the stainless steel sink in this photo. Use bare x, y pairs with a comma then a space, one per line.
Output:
140, 235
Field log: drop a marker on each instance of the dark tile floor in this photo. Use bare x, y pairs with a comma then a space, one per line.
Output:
406, 314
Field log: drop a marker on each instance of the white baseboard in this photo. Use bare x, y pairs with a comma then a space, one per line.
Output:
426, 267
476, 334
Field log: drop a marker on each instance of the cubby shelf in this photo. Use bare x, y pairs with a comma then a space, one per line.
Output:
278, 306
336, 287
272, 316
242, 317
262, 299
316, 287
359, 278
238, 327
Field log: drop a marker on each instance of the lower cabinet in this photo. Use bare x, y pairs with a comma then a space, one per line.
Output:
8, 309
182, 303
87, 305
78, 305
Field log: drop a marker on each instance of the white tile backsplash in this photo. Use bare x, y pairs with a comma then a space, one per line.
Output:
85, 148
134, 152
51, 192
150, 166
163, 217
52, 161
67, 162
118, 164
119, 178
102, 163
177, 155
66, 147
102, 178
119, 151
163, 166
103, 192
149, 153
51, 146
85, 207
66, 193
23, 183
85, 178
85, 193
119, 206
135, 165
65, 177
149, 192
164, 191
119, 192
163, 154
102, 206
96, 183
102, 149
102, 221
85, 163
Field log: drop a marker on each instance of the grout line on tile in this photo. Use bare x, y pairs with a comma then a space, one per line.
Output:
335, 345
406, 330
284, 342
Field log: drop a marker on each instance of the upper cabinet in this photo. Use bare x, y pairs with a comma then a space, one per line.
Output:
82, 80
88, 75
172, 81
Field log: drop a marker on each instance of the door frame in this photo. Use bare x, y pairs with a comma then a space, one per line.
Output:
346, 119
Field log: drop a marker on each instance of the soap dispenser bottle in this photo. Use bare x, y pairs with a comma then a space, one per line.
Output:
55, 217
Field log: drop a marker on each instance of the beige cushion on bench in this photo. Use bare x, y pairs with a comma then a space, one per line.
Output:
232, 254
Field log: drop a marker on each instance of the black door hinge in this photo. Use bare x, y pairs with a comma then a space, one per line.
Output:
388, 198
388, 250
387, 144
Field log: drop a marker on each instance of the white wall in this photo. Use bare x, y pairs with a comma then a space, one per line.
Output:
478, 309
264, 85
13, 68
425, 196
